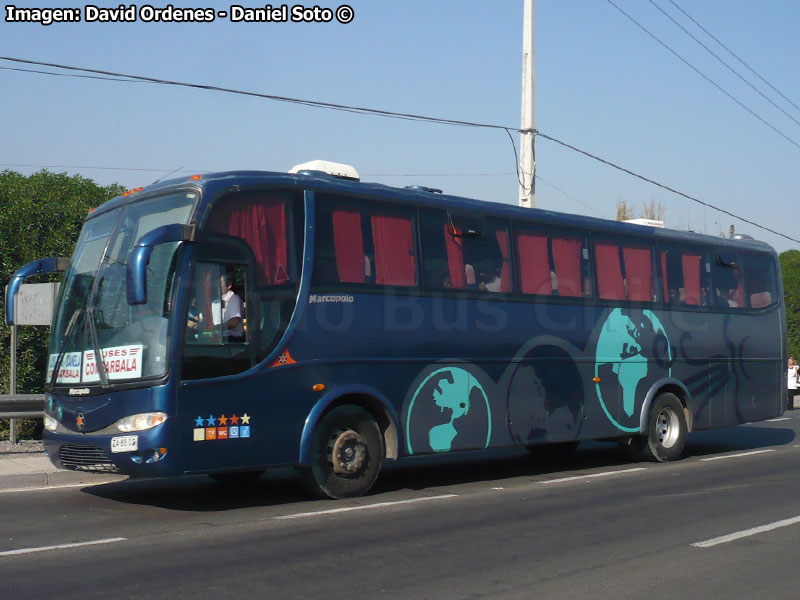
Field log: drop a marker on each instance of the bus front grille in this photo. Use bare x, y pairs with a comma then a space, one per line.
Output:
85, 458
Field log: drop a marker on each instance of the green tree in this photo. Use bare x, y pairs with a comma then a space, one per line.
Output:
624, 212
790, 271
40, 215
651, 210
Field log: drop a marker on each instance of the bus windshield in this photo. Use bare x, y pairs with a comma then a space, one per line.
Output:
93, 316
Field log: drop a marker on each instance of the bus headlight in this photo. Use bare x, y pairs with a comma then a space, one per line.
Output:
50, 423
141, 422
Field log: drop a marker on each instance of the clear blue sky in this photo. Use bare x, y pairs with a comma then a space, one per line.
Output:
602, 84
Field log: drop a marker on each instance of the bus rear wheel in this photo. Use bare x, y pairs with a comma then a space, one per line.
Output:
666, 431
347, 454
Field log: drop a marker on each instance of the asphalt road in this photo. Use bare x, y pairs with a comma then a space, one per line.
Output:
504, 525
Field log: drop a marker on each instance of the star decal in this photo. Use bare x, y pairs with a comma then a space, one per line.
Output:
245, 419
198, 422
211, 420
234, 419
223, 420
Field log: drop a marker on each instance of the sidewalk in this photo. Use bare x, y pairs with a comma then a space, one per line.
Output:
25, 465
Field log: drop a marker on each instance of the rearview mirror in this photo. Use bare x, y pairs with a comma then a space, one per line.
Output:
141, 252
36, 267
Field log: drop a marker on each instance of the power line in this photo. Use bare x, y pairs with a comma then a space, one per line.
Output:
31, 166
313, 103
706, 77
389, 114
570, 196
665, 187
70, 75
730, 68
729, 51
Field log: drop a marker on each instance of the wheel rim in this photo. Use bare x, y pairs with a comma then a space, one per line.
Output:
347, 453
668, 428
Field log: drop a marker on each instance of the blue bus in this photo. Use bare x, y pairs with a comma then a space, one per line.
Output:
374, 323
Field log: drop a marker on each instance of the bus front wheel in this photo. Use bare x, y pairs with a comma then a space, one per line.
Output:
347, 454
666, 431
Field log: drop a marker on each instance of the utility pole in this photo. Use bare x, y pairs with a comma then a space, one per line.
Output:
527, 156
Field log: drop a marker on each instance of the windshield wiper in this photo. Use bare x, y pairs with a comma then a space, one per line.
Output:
101, 366
68, 335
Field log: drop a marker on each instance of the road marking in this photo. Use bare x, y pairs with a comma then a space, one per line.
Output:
364, 507
779, 419
593, 475
51, 487
62, 546
746, 533
738, 455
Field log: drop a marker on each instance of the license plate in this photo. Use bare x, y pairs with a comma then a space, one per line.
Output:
125, 443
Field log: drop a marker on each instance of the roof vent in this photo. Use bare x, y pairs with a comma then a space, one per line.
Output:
648, 222
422, 188
331, 168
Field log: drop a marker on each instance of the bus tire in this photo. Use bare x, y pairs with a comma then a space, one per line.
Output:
347, 454
666, 430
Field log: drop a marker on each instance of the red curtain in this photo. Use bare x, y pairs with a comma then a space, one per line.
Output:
738, 295
533, 263
505, 274
567, 262
261, 223
638, 274
691, 279
455, 259
609, 275
348, 242
394, 250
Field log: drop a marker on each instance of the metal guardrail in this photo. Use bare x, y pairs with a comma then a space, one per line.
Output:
21, 405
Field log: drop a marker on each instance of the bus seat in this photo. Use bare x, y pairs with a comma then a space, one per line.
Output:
760, 299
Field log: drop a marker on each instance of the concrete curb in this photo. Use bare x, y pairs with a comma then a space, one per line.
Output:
31, 471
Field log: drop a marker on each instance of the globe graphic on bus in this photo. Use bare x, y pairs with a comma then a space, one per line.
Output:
632, 353
449, 411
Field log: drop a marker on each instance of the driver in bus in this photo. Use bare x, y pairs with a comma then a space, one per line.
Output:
232, 311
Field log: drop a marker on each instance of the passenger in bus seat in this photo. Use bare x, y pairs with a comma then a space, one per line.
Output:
469, 273
673, 296
489, 279
367, 268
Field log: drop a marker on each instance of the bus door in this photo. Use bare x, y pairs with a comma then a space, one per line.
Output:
218, 343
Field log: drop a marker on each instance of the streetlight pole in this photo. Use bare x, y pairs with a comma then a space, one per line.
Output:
527, 156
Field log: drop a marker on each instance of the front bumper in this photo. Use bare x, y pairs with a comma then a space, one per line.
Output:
92, 453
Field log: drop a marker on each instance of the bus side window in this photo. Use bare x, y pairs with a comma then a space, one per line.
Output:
364, 244
624, 271
216, 328
759, 274
457, 257
551, 264
684, 276
727, 279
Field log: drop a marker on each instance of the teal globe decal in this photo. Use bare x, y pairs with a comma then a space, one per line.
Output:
633, 352
448, 411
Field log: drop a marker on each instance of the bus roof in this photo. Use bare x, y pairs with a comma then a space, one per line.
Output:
212, 184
